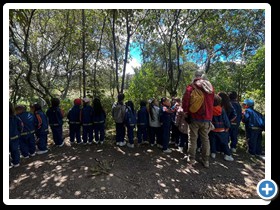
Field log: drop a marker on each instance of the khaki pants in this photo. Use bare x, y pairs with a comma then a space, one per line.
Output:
202, 129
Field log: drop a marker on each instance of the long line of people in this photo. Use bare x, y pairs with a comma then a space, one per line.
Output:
209, 129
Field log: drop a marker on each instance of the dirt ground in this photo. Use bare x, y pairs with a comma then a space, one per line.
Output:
111, 172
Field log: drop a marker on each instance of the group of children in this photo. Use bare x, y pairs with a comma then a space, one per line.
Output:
154, 123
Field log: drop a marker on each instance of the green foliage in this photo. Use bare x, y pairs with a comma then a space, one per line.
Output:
107, 103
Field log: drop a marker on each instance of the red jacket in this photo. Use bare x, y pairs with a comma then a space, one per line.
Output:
204, 113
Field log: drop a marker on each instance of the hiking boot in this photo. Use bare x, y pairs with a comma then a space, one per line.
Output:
213, 155
228, 158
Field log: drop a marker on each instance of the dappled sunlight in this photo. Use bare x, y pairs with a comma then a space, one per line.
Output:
161, 183
150, 150
60, 180
120, 150
35, 164
158, 196
136, 154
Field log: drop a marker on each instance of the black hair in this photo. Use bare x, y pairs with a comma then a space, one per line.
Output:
121, 97
97, 107
142, 103
232, 95
217, 100
225, 102
37, 107
131, 105
55, 102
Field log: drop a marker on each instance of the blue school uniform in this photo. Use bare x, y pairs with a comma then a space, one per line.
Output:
74, 123
142, 124
15, 128
99, 126
41, 130
253, 130
234, 127
27, 139
55, 118
87, 123
165, 119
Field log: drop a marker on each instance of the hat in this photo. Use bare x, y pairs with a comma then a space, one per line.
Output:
77, 101
249, 102
199, 73
86, 100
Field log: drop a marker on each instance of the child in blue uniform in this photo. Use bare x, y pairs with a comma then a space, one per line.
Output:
41, 128
74, 121
234, 127
99, 117
15, 128
55, 116
130, 122
254, 125
165, 119
27, 140
142, 123
87, 121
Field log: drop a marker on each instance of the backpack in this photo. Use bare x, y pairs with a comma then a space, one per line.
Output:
119, 113
196, 100
259, 120
130, 117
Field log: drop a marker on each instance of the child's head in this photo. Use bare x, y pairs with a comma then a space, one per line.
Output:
165, 101
86, 101
217, 100
20, 109
77, 101
35, 107
142, 103
232, 95
121, 97
248, 103
55, 102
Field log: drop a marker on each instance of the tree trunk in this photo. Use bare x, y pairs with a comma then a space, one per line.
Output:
84, 60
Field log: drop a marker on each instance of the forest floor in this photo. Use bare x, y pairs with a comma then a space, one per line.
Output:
111, 172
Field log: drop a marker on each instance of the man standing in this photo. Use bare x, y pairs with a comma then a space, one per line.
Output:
200, 120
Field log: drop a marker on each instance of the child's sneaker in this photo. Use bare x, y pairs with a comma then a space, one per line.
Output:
16, 165
40, 152
233, 150
213, 155
130, 145
61, 145
33, 154
167, 151
122, 143
101, 142
228, 158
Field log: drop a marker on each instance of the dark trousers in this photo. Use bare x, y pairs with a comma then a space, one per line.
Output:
255, 142
87, 133
175, 135
222, 139
57, 134
99, 131
142, 133
183, 139
130, 133
75, 131
120, 132
233, 133
42, 141
14, 150
155, 134
165, 135
27, 144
